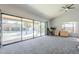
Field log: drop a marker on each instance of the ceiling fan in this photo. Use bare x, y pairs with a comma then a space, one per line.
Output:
68, 7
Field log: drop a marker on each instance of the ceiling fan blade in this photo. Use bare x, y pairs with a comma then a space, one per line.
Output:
72, 7
66, 6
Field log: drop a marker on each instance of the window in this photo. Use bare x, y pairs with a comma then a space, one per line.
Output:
76, 27
69, 26
11, 29
27, 29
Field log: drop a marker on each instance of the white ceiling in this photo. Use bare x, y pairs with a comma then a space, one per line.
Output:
48, 10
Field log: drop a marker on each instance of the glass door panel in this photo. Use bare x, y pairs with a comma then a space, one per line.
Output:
27, 29
42, 28
36, 28
11, 29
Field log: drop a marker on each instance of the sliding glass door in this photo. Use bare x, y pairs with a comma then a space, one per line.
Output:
36, 28
11, 29
42, 28
27, 29
16, 29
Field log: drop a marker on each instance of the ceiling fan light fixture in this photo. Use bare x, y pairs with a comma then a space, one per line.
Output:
66, 9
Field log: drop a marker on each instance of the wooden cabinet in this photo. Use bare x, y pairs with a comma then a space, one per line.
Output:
64, 33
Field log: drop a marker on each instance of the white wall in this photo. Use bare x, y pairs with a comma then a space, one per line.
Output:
14, 10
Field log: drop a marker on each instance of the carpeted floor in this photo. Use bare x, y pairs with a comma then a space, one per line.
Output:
43, 45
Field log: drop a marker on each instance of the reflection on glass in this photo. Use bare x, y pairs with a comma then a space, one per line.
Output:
36, 28
11, 28
42, 28
27, 29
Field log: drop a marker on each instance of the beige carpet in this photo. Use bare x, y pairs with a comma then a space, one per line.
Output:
43, 45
